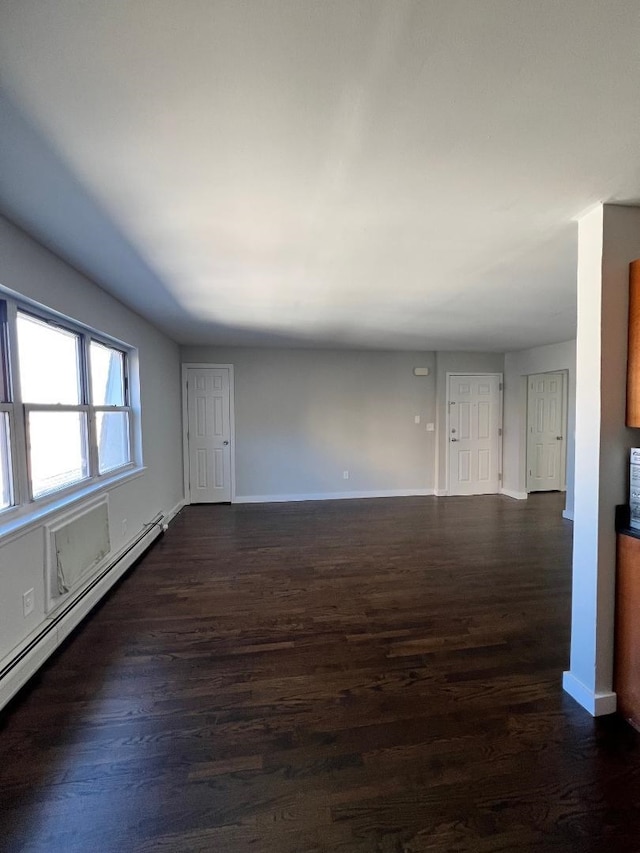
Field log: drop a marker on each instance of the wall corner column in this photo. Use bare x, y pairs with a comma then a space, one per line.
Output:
608, 240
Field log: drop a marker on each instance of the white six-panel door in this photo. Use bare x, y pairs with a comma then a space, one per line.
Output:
545, 432
474, 434
209, 434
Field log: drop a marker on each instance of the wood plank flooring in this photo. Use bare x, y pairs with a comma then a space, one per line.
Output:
377, 676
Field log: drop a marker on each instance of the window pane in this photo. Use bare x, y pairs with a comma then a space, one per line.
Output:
48, 362
113, 440
57, 450
6, 479
107, 375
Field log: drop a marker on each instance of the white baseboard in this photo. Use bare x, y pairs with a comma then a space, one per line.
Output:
331, 496
511, 493
597, 704
567, 513
34, 650
441, 493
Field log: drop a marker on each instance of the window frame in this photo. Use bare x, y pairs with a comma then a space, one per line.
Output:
29, 408
25, 504
7, 408
126, 407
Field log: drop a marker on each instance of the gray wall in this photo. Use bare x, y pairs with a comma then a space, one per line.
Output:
30, 270
305, 416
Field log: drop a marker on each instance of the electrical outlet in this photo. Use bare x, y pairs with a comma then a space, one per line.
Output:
28, 602
431, 427
345, 475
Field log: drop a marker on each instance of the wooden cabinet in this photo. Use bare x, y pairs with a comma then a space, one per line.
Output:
627, 631
633, 353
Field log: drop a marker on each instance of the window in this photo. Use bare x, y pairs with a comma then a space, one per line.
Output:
108, 387
49, 361
65, 414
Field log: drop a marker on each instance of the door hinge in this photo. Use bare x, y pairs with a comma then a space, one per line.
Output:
499, 478
501, 387
500, 431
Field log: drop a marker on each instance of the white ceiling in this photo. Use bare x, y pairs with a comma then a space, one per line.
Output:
400, 174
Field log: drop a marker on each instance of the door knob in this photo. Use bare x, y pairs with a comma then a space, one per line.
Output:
225, 442
558, 438
454, 439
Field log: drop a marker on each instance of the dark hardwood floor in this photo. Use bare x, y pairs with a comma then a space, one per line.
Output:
351, 676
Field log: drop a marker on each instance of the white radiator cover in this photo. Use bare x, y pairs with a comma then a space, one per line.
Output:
77, 544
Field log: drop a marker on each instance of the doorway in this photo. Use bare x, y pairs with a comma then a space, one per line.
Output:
546, 432
208, 433
474, 433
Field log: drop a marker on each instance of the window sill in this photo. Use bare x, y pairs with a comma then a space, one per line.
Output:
23, 523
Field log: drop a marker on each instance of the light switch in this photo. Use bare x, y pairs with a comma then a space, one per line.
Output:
27, 602
431, 427
416, 419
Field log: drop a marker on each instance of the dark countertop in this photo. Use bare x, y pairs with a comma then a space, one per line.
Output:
622, 522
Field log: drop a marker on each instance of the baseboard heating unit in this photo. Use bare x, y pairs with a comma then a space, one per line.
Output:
78, 571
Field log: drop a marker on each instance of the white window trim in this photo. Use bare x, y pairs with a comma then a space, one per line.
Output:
16, 525
25, 510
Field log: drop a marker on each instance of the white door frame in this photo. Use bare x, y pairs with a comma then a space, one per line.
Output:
185, 426
565, 425
500, 376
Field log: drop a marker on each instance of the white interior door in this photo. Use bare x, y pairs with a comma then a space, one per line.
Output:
545, 432
209, 434
474, 434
